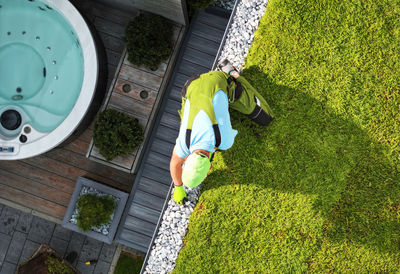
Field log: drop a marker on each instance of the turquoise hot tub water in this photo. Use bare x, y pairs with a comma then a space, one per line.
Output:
41, 67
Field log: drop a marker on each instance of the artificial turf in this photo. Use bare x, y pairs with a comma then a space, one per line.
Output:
319, 189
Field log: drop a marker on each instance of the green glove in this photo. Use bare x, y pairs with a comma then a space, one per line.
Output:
179, 194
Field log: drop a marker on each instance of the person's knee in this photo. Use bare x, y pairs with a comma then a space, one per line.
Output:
261, 117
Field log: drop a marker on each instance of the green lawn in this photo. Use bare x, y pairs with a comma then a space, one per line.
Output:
319, 189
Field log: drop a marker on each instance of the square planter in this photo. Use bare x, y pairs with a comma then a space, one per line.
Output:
121, 198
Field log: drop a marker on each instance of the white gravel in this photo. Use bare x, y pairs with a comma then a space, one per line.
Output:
176, 218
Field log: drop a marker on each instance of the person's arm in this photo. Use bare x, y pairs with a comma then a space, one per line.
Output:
175, 167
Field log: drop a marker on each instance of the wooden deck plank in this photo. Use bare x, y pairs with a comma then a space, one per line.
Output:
116, 16
30, 201
72, 172
158, 160
180, 80
144, 213
167, 134
135, 90
34, 188
130, 105
176, 94
113, 57
170, 120
136, 238
212, 20
162, 147
208, 32
139, 225
198, 57
149, 200
125, 161
153, 187
111, 43
77, 161
140, 77
173, 106
204, 45
40, 175
157, 174
109, 27
190, 69
160, 71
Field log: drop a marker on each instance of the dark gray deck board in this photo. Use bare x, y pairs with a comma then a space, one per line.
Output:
188, 68
173, 106
110, 28
157, 174
198, 57
162, 146
159, 160
170, 120
139, 225
153, 181
203, 45
144, 213
149, 200
207, 32
176, 94
135, 240
167, 134
212, 20
156, 188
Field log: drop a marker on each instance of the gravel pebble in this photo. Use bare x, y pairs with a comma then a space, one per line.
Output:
176, 218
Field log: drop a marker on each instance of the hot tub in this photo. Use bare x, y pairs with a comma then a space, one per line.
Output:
48, 75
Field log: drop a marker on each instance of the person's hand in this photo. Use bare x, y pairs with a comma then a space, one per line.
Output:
179, 194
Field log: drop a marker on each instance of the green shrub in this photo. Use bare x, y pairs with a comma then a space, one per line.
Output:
116, 134
94, 210
148, 40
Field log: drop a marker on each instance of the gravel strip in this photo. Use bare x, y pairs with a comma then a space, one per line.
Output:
176, 218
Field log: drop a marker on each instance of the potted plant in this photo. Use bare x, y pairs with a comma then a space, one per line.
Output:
148, 40
116, 134
95, 210
47, 261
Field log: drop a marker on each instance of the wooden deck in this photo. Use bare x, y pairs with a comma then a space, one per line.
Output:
153, 181
44, 184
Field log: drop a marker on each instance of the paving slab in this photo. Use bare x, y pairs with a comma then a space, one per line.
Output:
76, 244
8, 268
107, 252
8, 220
62, 233
59, 245
90, 250
24, 222
16, 246
29, 248
85, 269
41, 230
101, 267
5, 241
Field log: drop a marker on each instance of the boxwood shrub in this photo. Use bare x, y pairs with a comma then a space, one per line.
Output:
148, 39
94, 210
116, 134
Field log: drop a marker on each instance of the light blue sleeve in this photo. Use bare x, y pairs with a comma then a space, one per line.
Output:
180, 147
221, 110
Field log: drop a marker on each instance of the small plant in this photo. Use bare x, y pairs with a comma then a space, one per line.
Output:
148, 40
57, 266
94, 210
116, 134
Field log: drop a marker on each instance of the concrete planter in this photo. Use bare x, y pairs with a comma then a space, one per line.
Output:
119, 195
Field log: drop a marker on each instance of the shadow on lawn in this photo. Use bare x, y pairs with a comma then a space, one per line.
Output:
310, 149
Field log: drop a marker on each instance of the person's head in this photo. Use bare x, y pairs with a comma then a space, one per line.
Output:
196, 168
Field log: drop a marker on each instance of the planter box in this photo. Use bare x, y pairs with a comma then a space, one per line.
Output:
122, 196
